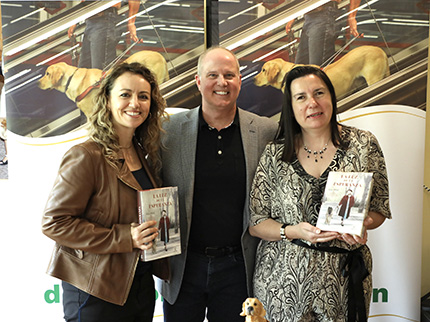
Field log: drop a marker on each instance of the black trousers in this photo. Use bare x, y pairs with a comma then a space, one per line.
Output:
80, 306
214, 287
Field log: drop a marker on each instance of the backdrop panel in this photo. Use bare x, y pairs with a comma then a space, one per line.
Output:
396, 245
28, 294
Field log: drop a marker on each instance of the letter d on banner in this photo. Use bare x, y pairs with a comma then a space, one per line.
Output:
53, 293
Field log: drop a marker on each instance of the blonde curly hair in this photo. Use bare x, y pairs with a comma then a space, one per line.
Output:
147, 135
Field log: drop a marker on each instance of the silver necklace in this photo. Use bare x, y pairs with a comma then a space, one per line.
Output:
315, 153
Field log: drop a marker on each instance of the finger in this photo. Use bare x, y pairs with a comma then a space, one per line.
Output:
146, 246
349, 239
143, 240
147, 224
325, 237
147, 233
360, 240
329, 234
367, 221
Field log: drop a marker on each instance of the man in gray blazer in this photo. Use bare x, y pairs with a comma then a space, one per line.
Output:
211, 153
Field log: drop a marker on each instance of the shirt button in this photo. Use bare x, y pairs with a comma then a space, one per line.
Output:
219, 137
219, 152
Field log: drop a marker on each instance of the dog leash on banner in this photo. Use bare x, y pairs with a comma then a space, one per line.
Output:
388, 48
118, 58
104, 72
74, 50
142, 2
337, 53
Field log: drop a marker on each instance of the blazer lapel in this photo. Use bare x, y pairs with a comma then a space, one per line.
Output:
249, 133
189, 132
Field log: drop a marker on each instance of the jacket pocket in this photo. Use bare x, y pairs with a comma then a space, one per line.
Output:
72, 266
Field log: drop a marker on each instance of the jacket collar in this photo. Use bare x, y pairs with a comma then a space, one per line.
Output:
125, 175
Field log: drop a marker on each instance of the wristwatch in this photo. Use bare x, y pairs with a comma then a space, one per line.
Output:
283, 236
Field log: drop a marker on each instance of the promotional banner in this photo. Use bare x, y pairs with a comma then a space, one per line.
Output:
396, 245
29, 294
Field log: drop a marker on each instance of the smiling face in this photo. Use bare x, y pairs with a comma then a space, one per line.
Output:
311, 101
129, 102
219, 80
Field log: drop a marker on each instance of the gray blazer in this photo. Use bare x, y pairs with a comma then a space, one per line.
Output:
178, 159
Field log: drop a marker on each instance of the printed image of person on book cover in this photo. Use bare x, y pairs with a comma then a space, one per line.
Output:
346, 204
164, 227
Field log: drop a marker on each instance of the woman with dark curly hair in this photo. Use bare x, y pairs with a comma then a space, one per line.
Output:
91, 212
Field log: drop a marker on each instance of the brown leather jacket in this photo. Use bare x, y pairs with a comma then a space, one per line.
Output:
88, 214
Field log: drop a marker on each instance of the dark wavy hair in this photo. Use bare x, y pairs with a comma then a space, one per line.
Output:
289, 129
147, 134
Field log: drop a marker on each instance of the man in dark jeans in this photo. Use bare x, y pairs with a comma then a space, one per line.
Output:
211, 154
319, 32
101, 37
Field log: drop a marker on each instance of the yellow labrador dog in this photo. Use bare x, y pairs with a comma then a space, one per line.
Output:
77, 83
368, 62
154, 61
253, 310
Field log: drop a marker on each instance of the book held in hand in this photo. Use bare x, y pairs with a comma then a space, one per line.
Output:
345, 202
161, 205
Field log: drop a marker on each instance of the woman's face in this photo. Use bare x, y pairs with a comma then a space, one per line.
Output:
129, 102
311, 101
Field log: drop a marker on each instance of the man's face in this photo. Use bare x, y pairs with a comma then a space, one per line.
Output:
220, 80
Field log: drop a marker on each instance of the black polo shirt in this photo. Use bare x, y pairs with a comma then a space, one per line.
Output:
219, 187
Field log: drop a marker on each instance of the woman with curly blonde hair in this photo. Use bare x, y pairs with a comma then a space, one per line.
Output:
147, 134
92, 210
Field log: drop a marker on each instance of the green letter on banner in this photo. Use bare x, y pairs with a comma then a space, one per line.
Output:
55, 293
383, 292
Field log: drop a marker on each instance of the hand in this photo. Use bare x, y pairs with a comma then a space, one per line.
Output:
355, 239
71, 31
288, 26
133, 32
143, 234
313, 234
352, 23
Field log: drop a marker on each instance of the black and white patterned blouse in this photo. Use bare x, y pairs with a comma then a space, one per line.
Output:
296, 283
